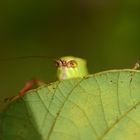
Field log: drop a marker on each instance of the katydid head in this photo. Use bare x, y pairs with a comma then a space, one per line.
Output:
71, 67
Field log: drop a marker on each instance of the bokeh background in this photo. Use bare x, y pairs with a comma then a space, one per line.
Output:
104, 32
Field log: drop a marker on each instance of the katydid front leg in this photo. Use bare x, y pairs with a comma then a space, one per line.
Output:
67, 67
26, 87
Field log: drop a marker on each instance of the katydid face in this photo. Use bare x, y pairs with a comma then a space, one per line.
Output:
71, 67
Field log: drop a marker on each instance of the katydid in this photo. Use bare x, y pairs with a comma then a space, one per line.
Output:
67, 67
71, 67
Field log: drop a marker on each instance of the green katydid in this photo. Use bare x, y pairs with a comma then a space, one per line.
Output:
67, 67
71, 67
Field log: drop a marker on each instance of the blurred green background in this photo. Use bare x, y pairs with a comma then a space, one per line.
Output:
106, 33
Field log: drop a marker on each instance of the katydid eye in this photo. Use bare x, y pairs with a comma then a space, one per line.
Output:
73, 63
58, 63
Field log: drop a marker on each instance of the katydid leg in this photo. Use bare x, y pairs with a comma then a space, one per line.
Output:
29, 85
137, 65
26, 87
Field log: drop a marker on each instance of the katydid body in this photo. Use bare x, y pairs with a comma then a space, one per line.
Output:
67, 67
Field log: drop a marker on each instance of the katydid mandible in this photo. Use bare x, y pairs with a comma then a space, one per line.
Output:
67, 67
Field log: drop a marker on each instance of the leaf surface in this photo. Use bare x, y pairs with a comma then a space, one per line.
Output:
102, 106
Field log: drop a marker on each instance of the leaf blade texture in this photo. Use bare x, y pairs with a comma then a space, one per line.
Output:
100, 106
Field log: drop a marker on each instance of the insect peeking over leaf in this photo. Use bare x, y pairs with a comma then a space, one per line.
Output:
67, 67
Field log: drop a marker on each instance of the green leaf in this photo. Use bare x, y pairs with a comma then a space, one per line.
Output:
101, 106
